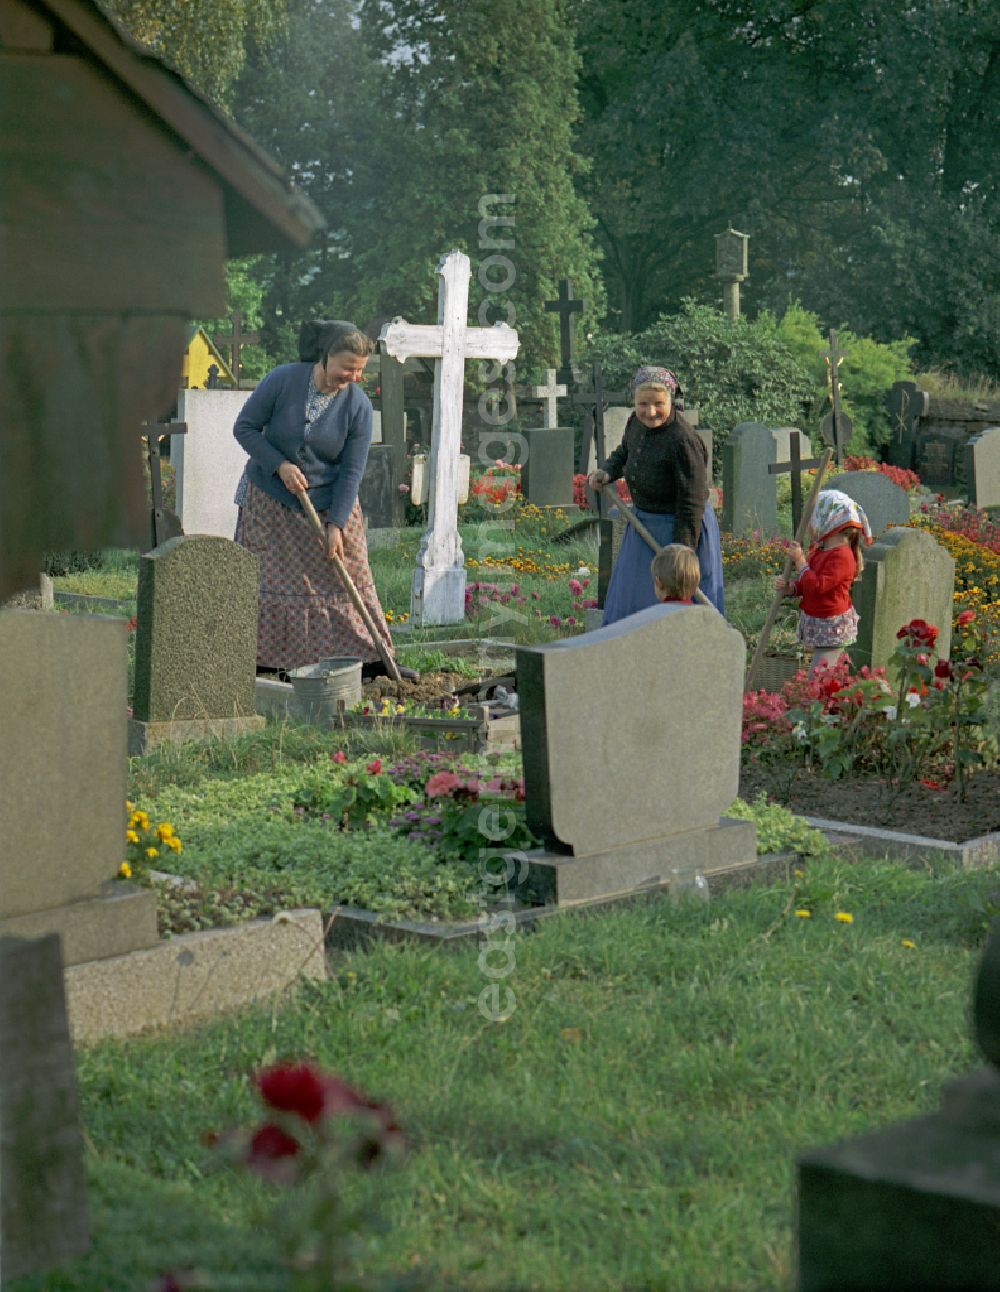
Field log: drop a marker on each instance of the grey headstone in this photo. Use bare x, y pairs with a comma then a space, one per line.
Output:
381, 501
939, 449
915, 1206
43, 1200
196, 641
658, 754
881, 499
783, 436
749, 492
63, 785
547, 474
907, 575
982, 468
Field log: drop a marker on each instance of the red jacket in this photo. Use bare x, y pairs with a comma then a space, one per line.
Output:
825, 584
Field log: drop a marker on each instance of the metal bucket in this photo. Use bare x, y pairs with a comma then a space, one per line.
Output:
319, 688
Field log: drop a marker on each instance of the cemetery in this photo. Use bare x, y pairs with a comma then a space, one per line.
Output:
519, 944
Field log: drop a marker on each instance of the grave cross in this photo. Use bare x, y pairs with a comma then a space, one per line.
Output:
234, 343
566, 307
438, 590
794, 468
548, 394
163, 523
836, 426
594, 401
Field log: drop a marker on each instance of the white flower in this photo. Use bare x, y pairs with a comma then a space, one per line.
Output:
890, 712
799, 733
913, 700
583, 572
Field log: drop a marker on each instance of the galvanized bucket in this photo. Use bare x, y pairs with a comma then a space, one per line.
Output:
320, 688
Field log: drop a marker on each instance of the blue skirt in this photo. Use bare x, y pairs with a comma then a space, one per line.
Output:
631, 586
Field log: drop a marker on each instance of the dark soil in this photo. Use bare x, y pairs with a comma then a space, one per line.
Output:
919, 809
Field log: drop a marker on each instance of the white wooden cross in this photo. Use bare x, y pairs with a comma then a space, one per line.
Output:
438, 591
548, 394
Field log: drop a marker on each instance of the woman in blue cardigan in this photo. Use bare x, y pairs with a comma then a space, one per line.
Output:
307, 428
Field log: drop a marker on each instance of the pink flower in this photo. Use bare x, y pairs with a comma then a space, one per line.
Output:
441, 784
576, 587
338, 757
536, 596
515, 588
404, 488
966, 617
555, 621
375, 766
571, 621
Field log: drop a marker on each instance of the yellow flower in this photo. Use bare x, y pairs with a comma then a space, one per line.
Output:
803, 914
131, 836
174, 843
140, 819
164, 831
125, 870
129, 805
844, 917
152, 852
909, 944
798, 872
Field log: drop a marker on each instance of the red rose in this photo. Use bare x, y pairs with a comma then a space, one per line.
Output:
375, 766
294, 1088
271, 1144
966, 617
339, 757
942, 669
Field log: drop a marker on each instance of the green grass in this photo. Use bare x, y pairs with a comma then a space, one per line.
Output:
633, 1125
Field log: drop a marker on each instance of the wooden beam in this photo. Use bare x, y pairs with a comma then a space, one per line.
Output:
21, 28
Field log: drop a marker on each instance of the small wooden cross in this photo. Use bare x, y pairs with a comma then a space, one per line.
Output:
234, 343
594, 402
566, 307
794, 468
163, 523
548, 394
836, 427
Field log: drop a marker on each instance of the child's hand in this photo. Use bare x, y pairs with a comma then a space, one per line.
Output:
798, 556
780, 584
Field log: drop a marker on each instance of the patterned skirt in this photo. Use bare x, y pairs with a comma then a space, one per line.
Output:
823, 634
305, 613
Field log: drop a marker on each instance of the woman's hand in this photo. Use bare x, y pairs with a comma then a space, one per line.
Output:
292, 478
334, 542
597, 478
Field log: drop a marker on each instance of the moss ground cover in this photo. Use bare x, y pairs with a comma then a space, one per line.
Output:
633, 1124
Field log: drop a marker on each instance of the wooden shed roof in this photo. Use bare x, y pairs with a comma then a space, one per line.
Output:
263, 211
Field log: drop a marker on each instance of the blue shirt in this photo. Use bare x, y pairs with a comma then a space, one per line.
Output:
331, 451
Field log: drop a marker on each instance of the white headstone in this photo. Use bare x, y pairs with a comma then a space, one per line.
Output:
438, 591
549, 394
208, 461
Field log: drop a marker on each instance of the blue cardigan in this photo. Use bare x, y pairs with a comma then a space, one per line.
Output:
271, 427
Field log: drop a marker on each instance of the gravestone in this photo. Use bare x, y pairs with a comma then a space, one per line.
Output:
43, 1199
940, 456
549, 396
881, 499
916, 1206
630, 788
547, 475
907, 575
63, 784
379, 496
420, 479
783, 436
208, 461
438, 591
907, 404
749, 494
982, 468
196, 642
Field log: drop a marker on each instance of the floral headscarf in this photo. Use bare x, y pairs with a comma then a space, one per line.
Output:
650, 376
835, 510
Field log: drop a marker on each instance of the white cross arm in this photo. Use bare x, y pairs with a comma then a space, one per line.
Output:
497, 342
402, 340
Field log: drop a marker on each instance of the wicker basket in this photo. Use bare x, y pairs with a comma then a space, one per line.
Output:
774, 671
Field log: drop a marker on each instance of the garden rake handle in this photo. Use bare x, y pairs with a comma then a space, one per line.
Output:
800, 534
644, 533
390, 664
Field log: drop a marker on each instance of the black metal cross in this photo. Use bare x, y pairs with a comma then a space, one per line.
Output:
836, 426
794, 468
566, 307
234, 343
163, 523
594, 401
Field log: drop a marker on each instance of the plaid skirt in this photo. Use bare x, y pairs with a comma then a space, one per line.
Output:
305, 613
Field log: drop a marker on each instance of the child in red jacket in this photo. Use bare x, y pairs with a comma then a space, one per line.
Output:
827, 619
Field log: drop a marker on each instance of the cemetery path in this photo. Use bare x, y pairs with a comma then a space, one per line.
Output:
920, 809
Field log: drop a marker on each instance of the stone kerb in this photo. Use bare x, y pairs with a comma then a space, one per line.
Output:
63, 784
208, 461
907, 575
196, 640
881, 499
632, 732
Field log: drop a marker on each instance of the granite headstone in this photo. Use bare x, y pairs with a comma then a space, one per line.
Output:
749, 492
881, 499
547, 475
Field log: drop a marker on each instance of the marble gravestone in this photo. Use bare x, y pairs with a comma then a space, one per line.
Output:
208, 461
881, 499
43, 1197
63, 784
196, 642
438, 590
749, 499
630, 785
907, 575
982, 468
914, 1207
